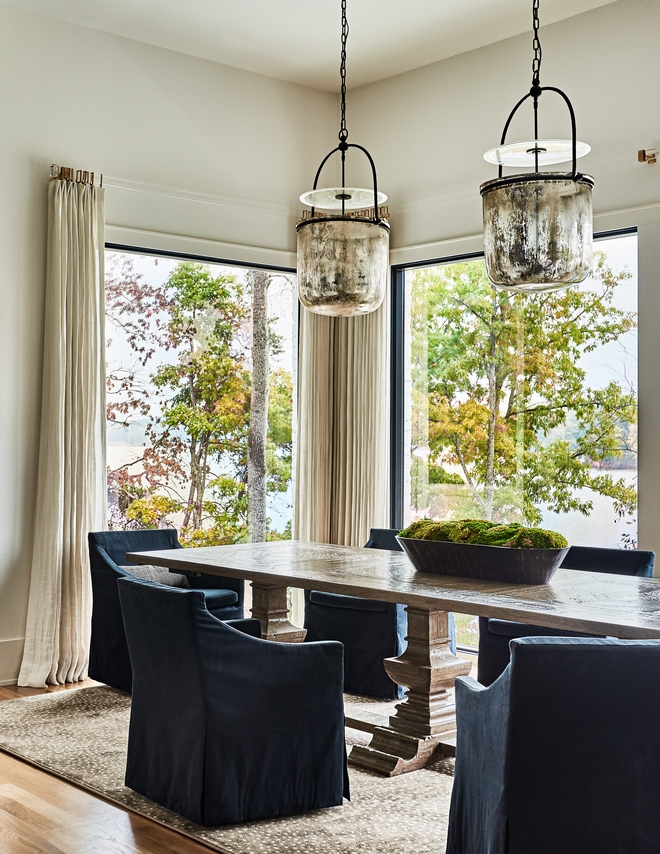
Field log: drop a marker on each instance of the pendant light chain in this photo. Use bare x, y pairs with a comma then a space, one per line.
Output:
343, 131
343, 255
538, 53
535, 91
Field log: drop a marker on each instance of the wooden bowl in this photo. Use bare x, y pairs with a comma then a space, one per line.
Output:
487, 563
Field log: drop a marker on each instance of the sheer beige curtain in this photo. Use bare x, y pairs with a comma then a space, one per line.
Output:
71, 485
343, 419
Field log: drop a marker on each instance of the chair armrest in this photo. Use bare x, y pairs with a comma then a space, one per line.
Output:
482, 718
470, 686
248, 626
109, 562
206, 581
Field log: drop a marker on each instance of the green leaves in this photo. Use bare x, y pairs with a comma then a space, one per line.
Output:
498, 390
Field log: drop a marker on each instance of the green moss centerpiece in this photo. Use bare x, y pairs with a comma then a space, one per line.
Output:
477, 548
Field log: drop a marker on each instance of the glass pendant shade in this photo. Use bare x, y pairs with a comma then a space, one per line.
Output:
535, 152
538, 226
538, 231
341, 198
342, 264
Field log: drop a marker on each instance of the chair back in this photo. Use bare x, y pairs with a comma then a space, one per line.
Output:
160, 631
584, 745
116, 544
108, 656
615, 561
383, 538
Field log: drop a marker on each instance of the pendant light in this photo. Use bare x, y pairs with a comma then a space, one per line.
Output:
538, 226
343, 248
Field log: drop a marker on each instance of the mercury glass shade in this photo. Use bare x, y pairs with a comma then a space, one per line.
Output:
538, 230
342, 264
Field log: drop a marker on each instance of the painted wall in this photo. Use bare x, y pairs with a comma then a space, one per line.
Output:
238, 143
202, 157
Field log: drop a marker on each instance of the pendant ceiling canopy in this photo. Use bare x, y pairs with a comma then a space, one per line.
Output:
343, 241
538, 226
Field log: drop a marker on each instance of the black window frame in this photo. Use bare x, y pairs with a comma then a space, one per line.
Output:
202, 259
397, 367
206, 259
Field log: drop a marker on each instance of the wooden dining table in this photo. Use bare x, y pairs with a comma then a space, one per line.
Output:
424, 724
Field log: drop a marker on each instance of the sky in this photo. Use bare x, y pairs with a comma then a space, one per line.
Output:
618, 360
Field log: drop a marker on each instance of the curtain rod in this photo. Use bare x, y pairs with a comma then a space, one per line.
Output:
67, 173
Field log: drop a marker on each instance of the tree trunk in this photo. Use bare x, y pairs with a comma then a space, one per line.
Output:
198, 473
256, 467
187, 516
200, 482
492, 419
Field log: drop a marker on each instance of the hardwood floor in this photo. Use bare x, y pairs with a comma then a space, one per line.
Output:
42, 814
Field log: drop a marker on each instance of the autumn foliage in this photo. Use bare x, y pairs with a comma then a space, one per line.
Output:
187, 384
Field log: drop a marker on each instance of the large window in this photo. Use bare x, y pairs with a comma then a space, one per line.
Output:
183, 356
524, 408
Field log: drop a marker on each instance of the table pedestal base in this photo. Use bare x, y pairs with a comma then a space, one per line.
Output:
390, 753
424, 725
269, 605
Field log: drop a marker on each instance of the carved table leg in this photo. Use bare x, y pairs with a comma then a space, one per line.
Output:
426, 717
269, 605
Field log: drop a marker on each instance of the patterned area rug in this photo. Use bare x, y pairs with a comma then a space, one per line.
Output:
82, 736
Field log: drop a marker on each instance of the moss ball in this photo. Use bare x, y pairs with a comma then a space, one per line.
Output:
483, 532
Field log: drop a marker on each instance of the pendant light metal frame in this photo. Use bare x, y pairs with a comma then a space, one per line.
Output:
578, 178
343, 148
344, 145
368, 251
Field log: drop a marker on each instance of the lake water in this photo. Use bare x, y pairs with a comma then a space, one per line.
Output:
601, 527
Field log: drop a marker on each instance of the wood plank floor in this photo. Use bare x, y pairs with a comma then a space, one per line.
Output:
42, 814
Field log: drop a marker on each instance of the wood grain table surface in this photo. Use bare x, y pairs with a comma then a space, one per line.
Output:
597, 603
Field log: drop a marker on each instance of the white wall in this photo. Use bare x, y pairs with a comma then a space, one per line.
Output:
240, 145
211, 159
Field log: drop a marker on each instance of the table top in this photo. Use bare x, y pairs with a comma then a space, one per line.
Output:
592, 602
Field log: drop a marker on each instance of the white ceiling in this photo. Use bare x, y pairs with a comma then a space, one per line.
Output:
298, 40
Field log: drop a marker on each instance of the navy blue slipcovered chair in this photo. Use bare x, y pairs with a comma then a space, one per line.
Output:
108, 660
560, 755
369, 630
226, 727
494, 635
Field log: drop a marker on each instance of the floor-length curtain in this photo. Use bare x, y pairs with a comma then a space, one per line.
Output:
342, 470
71, 484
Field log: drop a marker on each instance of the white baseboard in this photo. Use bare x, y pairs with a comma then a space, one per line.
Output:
11, 653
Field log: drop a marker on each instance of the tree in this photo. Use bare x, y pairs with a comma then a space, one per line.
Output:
206, 410
256, 470
496, 381
195, 404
